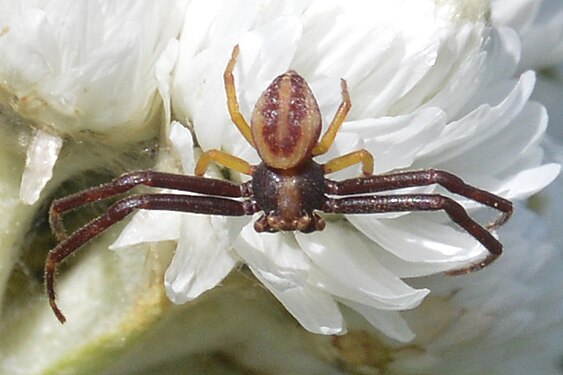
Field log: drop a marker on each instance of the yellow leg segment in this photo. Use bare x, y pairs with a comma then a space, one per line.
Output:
224, 159
232, 101
328, 138
361, 156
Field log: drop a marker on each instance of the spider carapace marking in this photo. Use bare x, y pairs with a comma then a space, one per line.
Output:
288, 187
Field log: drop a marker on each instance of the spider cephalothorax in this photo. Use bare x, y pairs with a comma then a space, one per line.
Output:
288, 186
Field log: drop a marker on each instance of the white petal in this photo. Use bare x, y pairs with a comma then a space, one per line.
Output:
344, 256
504, 52
421, 237
315, 310
519, 14
453, 77
277, 254
202, 258
280, 264
483, 123
540, 26
183, 143
149, 226
395, 141
479, 73
548, 91
42, 154
529, 182
163, 70
389, 322
519, 151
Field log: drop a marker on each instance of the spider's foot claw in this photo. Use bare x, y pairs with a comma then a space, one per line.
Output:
58, 313
499, 222
473, 267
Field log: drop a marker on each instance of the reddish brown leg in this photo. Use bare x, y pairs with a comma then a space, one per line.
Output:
130, 180
120, 209
377, 183
421, 202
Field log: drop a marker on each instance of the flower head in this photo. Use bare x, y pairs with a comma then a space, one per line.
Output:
73, 67
431, 86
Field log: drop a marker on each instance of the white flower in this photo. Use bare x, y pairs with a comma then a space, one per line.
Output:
431, 86
69, 67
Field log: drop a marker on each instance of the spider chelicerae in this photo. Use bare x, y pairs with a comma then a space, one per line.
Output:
288, 186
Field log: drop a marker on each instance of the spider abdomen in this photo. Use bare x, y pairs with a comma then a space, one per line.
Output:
286, 122
289, 197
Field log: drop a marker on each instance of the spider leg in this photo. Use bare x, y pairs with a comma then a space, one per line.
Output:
452, 183
421, 202
328, 138
223, 158
128, 181
232, 101
355, 157
119, 210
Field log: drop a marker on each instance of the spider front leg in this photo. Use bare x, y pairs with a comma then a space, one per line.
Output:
119, 210
232, 101
363, 157
328, 138
452, 183
128, 181
421, 202
224, 159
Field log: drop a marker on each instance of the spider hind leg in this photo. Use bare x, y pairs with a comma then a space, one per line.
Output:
422, 202
128, 181
119, 210
449, 181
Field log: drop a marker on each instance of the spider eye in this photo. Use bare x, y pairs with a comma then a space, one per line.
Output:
286, 122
